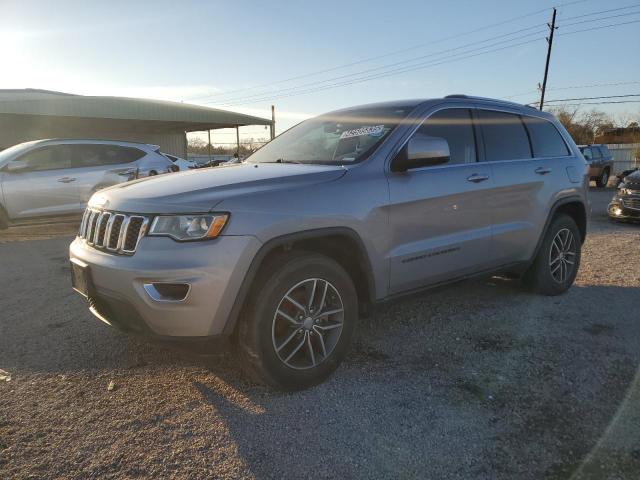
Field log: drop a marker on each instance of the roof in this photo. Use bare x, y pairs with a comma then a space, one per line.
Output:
415, 102
176, 115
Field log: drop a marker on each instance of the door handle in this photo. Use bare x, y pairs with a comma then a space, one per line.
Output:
477, 178
542, 170
67, 179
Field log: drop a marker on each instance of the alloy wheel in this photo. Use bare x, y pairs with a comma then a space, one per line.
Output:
307, 323
562, 255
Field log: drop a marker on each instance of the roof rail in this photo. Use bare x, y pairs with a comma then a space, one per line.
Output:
497, 100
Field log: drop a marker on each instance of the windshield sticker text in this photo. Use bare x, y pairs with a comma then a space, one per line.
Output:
373, 131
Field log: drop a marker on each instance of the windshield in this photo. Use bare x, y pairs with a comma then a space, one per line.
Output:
333, 139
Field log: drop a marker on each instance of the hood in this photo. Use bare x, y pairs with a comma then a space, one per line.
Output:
201, 190
633, 180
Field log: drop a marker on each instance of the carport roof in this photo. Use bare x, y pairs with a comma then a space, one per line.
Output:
175, 116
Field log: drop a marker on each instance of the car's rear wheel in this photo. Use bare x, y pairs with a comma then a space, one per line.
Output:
299, 321
556, 265
603, 179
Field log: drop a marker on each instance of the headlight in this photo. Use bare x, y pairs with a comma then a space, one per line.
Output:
189, 227
623, 190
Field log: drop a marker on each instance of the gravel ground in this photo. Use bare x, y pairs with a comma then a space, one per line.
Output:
476, 380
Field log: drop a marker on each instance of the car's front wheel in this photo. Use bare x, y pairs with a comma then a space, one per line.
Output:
299, 320
556, 265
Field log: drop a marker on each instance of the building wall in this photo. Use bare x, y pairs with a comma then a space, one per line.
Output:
14, 130
624, 156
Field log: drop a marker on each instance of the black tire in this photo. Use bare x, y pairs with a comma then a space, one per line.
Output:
603, 179
542, 277
257, 325
153, 173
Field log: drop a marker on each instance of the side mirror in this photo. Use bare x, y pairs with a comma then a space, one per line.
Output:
421, 151
15, 166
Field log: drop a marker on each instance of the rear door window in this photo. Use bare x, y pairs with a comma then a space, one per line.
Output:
89, 155
455, 126
546, 141
505, 137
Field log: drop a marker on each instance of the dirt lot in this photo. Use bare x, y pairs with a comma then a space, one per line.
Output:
478, 380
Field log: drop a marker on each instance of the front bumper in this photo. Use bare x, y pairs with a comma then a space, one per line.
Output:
214, 270
619, 210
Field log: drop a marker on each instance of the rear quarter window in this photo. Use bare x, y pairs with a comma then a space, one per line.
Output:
546, 141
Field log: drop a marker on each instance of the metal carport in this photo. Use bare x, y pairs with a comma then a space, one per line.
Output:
35, 114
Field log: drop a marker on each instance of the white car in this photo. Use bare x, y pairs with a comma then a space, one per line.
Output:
56, 177
181, 163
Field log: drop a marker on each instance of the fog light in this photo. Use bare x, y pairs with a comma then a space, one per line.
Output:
167, 292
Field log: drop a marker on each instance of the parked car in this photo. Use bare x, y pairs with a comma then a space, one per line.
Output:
600, 163
57, 177
620, 176
625, 204
181, 163
284, 252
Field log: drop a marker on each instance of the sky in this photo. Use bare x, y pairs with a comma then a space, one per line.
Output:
240, 55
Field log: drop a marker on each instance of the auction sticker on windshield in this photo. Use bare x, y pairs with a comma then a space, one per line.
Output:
373, 131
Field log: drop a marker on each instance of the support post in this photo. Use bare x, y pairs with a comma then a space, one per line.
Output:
546, 66
209, 144
238, 141
273, 122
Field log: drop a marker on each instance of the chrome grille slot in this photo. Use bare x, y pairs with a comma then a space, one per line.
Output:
102, 229
113, 232
91, 230
631, 202
132, 234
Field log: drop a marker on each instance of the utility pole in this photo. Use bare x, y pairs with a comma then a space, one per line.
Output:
273, 122
546, 66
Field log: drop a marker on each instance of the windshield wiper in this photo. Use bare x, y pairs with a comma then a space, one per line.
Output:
282, 160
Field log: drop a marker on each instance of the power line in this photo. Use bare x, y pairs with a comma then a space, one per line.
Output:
419, 66
626, 14
408, 69
596, 103
377, 57
598, 27
593, 98
387, 66
571, 87
633, 5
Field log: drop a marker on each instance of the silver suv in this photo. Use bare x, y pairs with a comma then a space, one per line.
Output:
57, 177
283, 253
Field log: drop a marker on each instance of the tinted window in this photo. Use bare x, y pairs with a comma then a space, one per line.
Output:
47, 158
94, 155
504, 136
586, 153
454, 125
545, 138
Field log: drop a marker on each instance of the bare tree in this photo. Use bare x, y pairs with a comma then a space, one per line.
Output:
583, 127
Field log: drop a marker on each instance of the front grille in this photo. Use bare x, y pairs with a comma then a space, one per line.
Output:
631, 202
111, 231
